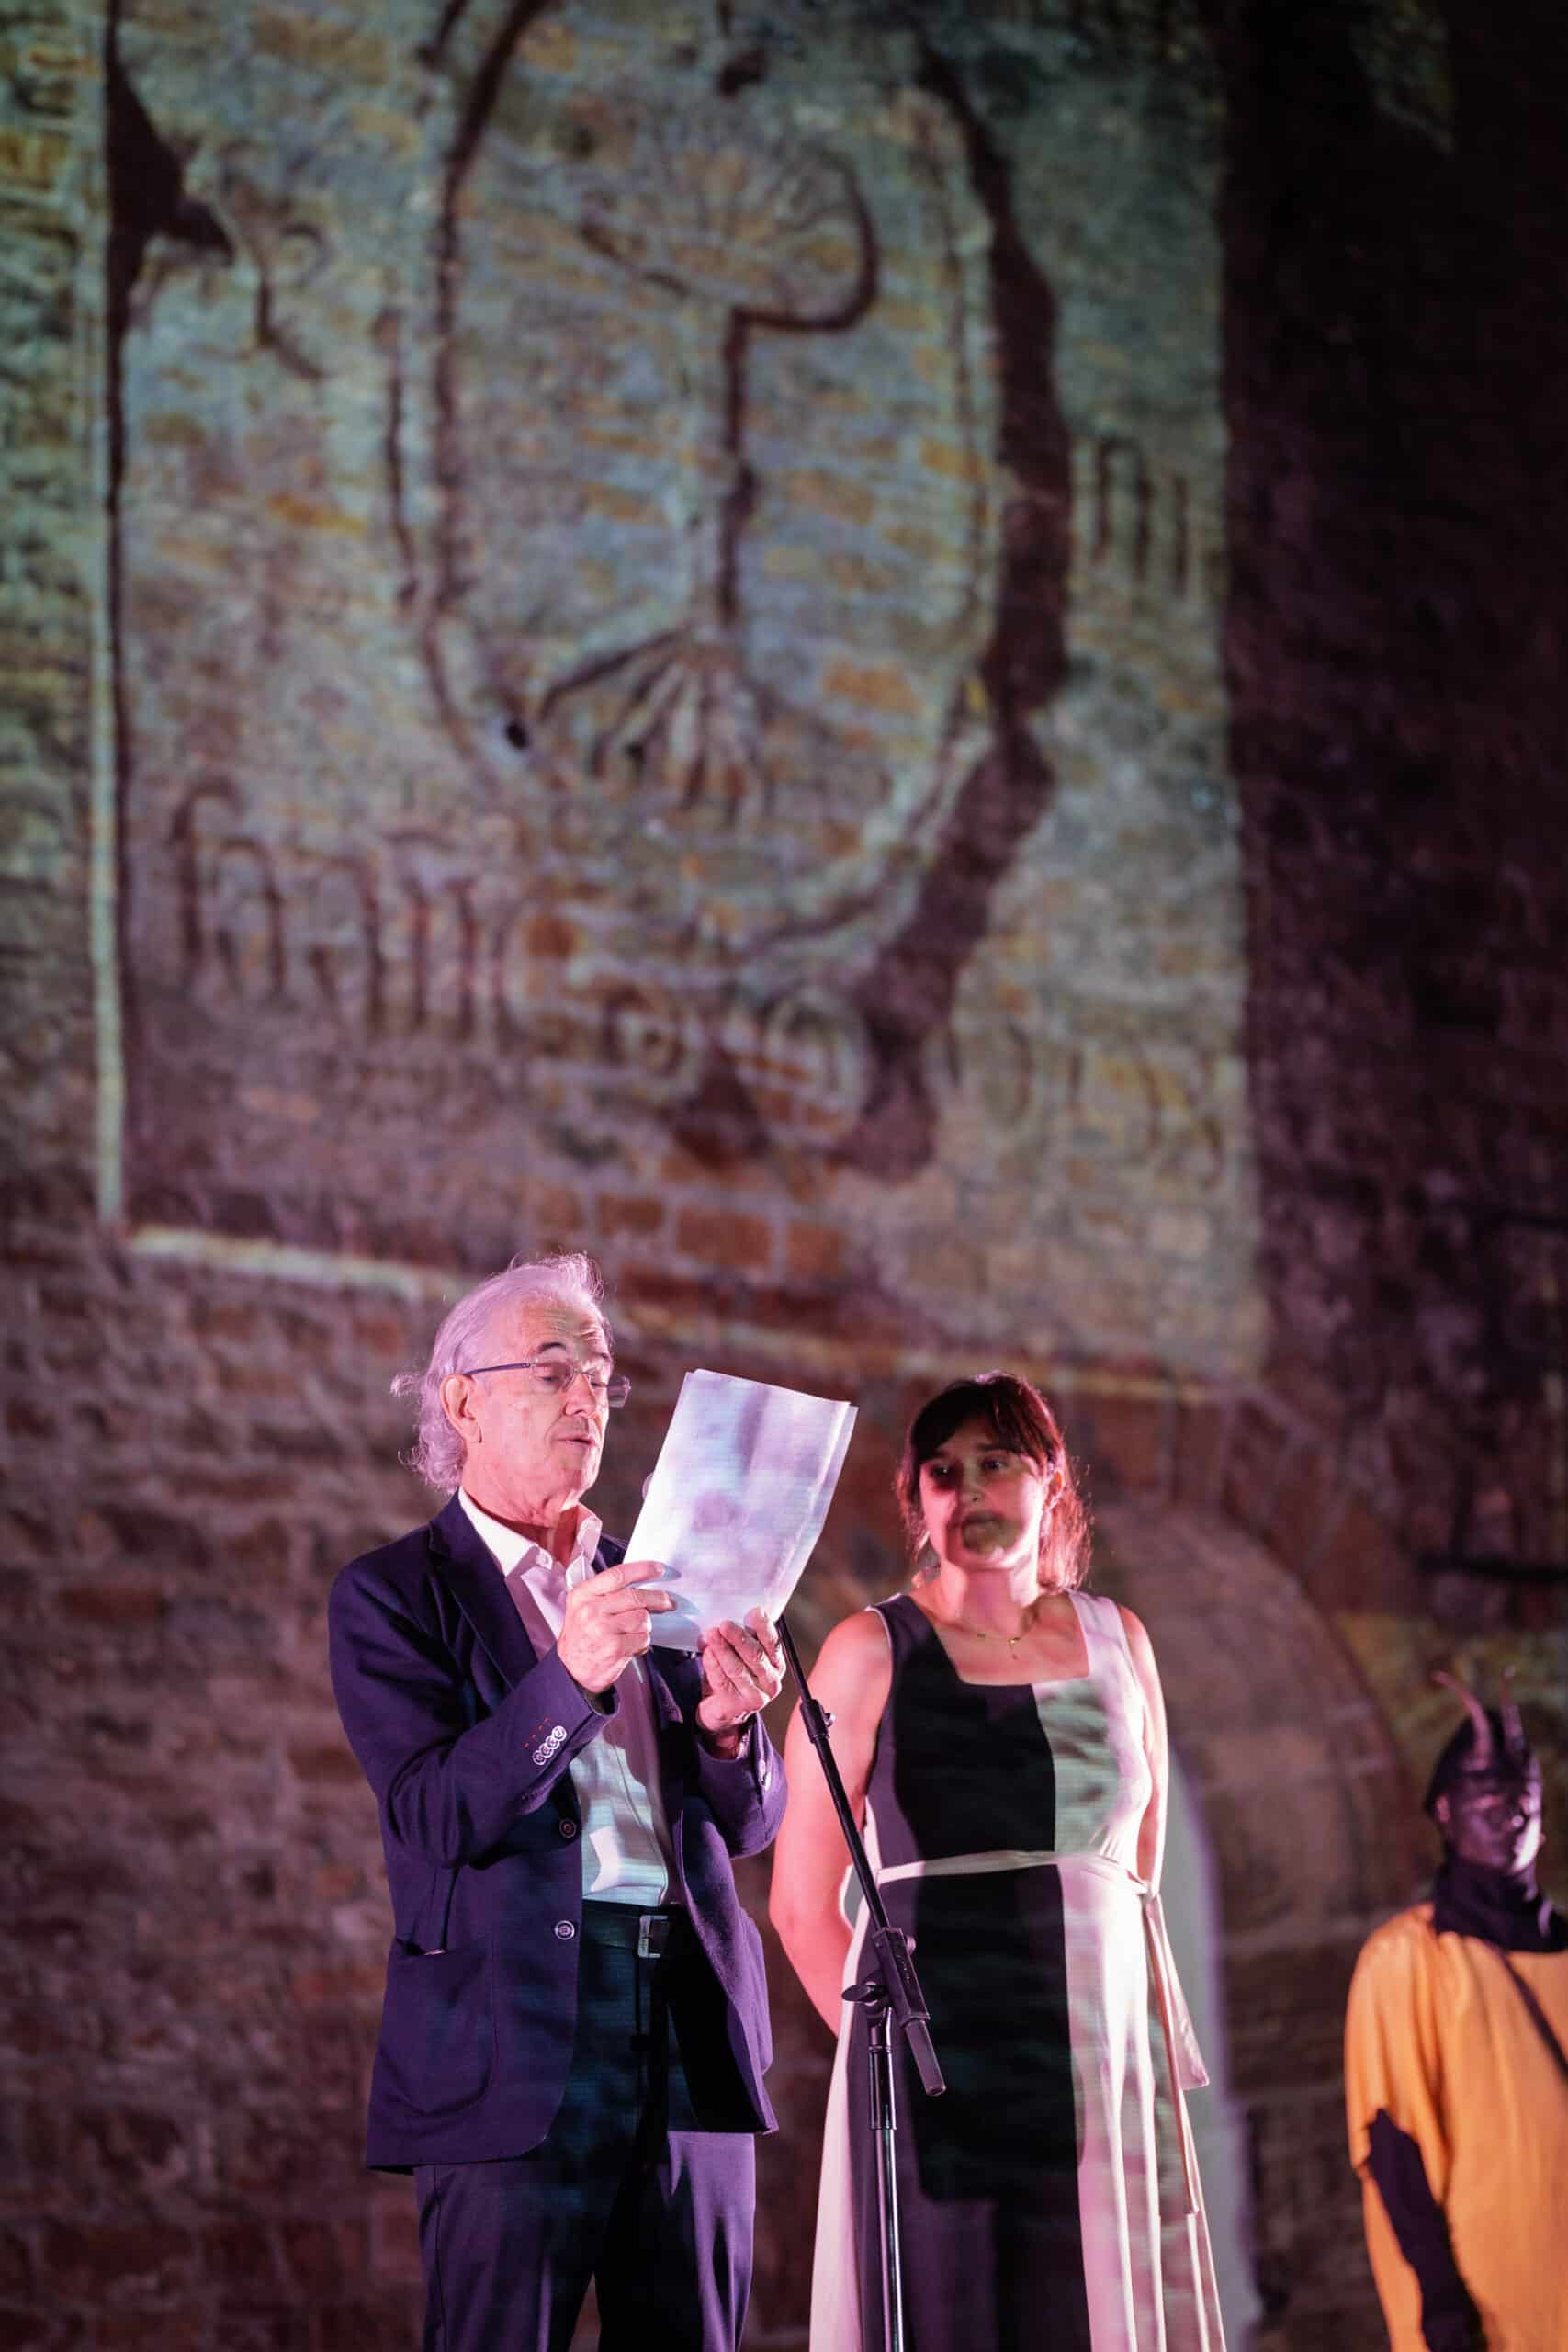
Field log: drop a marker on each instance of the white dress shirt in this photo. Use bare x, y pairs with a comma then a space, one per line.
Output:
626, 1855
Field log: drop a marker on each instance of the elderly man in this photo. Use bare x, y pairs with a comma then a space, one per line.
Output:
1456, 2069
575, 2029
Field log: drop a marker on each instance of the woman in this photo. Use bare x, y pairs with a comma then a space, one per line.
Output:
1001, 1736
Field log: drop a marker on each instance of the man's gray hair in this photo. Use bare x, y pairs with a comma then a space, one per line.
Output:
564, 1278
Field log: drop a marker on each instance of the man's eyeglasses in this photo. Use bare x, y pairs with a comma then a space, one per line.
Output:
551, 1376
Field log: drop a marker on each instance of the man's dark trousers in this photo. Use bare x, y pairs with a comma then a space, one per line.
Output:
627, 2189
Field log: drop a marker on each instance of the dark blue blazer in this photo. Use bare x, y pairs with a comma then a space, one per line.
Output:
467, 1735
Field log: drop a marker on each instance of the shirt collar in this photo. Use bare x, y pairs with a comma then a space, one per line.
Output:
512, 1552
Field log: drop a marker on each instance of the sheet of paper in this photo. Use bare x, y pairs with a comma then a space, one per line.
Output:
738, 1497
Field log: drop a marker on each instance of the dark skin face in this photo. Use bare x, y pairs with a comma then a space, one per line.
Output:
1491, 1820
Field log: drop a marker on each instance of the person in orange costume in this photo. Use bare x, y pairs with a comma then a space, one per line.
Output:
1456, 2069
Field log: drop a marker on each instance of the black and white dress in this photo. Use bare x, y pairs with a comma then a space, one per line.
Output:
1050, 2198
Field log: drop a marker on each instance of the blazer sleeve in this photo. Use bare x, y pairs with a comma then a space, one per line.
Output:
449, 1787
744, 1793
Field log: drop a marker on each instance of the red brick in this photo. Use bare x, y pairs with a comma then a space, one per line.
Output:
111, 1605
1199, 1445
742, 1245
555, 1211
134, 1531
327, 2257
1127, 1445
21, 1597
89, 2262
1362, 1565
43, 2030
266, 2146
242, 2325
237, 2251
16, 2267
139, 2151
629, 1213
333, 1760
1306, 1501
395, 2239
814, 1254
381, 1334
1253, 1461
226, 1319
351, 1984
183, 2329
350, 2327
552, 936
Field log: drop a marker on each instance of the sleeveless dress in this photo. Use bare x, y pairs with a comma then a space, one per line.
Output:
1049, 2198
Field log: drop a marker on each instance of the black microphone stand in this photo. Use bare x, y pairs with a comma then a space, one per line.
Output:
888, 1990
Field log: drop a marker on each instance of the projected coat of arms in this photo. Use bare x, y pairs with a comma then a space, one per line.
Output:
667, 633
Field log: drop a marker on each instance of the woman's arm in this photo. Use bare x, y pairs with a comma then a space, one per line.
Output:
1150, 1830
852, 1679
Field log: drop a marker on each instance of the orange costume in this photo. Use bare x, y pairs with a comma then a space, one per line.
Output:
1456, 2068
1452, 2038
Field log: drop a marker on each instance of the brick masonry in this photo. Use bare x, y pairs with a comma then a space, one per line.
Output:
943, 743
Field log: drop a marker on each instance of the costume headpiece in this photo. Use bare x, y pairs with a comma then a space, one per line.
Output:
1491, 1746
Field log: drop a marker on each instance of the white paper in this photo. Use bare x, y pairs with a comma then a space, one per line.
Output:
737, 1499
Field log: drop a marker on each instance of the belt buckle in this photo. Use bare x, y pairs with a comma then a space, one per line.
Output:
652, 1935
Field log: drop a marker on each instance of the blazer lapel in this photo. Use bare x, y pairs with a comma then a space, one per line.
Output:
462, 1561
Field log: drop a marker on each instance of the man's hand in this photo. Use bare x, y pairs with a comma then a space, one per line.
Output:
608, 1620
742, 1670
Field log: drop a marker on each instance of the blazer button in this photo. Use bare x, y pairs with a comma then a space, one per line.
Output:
565, 1930
569, 1828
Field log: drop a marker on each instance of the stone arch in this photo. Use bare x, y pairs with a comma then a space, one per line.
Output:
1315, 1835
1308, 1804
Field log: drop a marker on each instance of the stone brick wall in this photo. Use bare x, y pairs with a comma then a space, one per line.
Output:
942, 744
1396, 645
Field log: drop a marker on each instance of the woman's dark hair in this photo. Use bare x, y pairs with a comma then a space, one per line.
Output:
1024, 1423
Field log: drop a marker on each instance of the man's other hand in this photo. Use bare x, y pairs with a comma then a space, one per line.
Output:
743, 1669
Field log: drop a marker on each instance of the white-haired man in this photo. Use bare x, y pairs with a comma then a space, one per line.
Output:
575, 2029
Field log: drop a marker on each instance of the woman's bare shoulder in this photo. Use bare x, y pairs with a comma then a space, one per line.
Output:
855, 1657
862, 1636
1137, 1631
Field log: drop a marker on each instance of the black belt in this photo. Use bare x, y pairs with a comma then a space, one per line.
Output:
647, 1933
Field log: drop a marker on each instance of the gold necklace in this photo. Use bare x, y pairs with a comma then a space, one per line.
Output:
980, 1633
